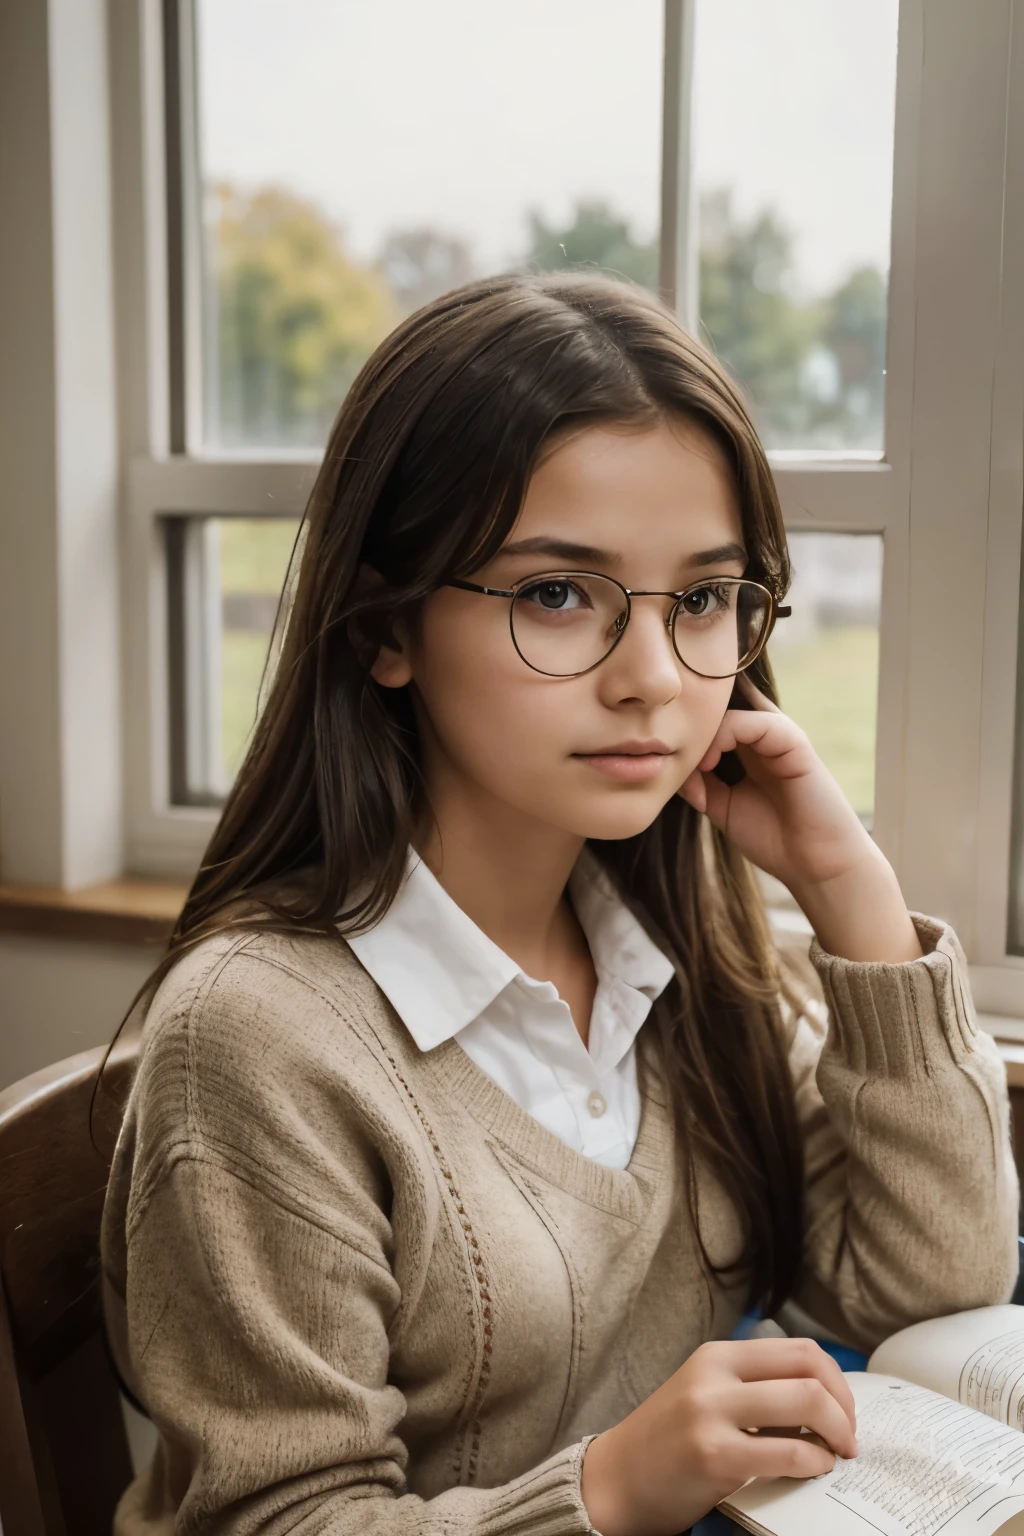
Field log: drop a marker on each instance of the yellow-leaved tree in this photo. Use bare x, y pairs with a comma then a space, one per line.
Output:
294, 316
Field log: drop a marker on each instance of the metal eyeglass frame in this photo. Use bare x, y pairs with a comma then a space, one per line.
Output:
775, 612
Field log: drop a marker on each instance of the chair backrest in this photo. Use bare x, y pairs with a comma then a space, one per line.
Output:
64, 1458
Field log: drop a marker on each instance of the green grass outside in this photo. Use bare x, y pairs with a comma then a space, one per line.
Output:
829, 685
243, 652
254, 555
254, 552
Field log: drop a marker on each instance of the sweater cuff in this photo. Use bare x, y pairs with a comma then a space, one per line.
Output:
546, 1501
903, 1019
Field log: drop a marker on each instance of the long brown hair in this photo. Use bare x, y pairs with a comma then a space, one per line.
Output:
423, 478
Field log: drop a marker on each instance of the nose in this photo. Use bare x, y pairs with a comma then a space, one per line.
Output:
643, 668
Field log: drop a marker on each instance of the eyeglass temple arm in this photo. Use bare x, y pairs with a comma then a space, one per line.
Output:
473, 586
783, 613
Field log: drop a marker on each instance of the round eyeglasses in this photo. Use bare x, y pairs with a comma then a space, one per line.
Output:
565, 623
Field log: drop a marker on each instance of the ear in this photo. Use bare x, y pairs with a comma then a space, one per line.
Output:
393, 665
382, 647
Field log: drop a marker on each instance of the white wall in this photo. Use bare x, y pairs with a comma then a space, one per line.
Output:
60, 996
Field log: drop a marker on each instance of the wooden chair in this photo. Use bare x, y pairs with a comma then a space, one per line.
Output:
64, 1458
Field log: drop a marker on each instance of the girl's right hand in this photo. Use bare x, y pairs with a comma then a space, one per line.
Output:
695, 1439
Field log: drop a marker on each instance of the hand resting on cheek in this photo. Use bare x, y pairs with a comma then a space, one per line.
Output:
789, 817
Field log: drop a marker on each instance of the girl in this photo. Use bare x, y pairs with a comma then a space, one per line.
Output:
473, 1107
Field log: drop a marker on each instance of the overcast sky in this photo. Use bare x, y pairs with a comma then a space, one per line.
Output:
462, 114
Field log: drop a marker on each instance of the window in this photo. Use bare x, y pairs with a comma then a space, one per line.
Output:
834, 193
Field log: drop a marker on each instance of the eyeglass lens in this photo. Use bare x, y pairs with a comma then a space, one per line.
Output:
566, 624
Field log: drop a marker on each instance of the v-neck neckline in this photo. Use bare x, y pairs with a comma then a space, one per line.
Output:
621, 1191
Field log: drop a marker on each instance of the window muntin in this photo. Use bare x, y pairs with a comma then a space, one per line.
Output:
356, 159
793, 124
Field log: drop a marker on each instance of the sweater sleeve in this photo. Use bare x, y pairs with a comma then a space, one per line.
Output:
911, 1187
259, 1343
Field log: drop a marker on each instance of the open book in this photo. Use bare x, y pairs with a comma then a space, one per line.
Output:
940, 1426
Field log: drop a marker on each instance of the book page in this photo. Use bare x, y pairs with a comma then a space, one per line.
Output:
976, 1358
926, 1466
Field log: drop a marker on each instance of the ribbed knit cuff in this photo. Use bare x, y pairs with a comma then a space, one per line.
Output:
546, 1501
901, 1020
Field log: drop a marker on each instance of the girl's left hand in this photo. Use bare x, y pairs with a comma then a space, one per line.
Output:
789, 817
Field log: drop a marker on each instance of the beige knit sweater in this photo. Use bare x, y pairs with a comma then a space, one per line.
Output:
361, 1290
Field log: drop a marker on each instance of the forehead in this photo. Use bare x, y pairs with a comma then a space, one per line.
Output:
617, 487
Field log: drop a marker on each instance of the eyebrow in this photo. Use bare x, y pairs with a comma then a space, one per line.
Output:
719, 556
561, 549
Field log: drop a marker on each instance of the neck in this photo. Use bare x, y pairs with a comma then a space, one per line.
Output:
507, 871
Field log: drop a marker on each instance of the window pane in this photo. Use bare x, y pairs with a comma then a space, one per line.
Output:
225, 579
359, 157
793, 123
253, 563
825, 656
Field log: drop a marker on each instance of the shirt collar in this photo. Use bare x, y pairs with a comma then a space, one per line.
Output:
440, 971
619, 944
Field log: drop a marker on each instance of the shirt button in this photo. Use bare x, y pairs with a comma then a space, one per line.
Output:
596, 1103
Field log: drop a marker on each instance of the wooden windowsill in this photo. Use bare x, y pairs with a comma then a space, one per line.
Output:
126, 911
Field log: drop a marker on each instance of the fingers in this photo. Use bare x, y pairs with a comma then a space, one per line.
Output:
775, 1456
806, 1402
770, 734
767, 733
776, 1359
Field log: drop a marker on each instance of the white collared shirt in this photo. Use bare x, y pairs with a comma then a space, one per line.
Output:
445, 977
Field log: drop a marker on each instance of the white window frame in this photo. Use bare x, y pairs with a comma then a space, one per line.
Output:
946, 497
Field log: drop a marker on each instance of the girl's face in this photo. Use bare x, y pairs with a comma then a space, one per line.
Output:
600, 754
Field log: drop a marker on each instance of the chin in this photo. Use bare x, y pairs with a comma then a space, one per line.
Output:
620, 817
